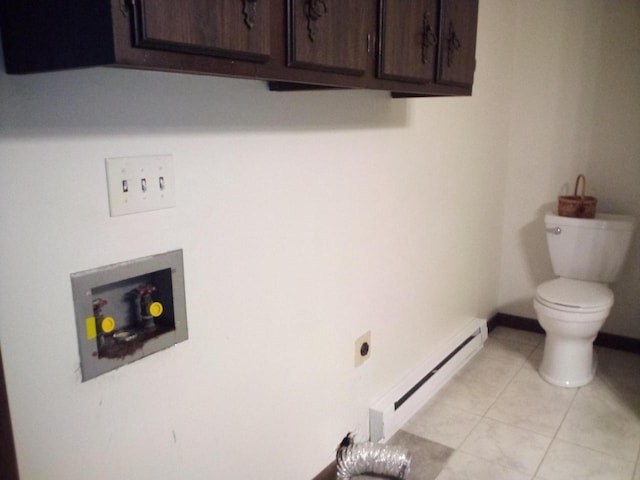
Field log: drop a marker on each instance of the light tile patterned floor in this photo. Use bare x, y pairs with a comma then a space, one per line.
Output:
502, 421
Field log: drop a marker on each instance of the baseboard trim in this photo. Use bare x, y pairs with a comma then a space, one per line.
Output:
515, 322
608, 340
618, 342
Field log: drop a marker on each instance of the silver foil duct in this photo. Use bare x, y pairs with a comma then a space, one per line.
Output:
357, 459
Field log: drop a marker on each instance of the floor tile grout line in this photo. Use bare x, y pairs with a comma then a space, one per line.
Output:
518, 427
515, 374
595, 450
507, 467
557, 430
513, 377
555, 437
555, 434
546, 452
510, 338
506, 385
566, 413
484, 414
599, 452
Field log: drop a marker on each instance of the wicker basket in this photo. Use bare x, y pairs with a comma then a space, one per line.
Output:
575, 205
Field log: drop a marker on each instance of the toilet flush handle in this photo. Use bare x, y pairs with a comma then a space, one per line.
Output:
554, 230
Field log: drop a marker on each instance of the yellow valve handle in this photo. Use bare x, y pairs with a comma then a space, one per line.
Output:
108, 324
155, 309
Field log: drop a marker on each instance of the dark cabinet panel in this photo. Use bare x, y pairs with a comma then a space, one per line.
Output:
408, 40
331, 35
458, 28
227, 28
54, 35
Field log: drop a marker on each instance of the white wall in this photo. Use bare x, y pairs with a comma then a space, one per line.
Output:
306, 219
575, 109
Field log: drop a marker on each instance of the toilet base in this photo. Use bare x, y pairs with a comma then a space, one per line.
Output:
568, 363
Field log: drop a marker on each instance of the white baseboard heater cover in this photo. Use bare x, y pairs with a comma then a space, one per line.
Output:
404, 400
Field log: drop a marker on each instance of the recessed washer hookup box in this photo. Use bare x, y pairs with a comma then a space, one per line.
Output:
129, 310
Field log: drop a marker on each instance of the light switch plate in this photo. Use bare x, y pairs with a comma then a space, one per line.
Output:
140, 184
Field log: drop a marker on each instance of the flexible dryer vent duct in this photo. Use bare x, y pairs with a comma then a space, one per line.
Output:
357, 459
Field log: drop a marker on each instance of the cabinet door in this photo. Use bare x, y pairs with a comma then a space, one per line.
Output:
408, 40
331, 35
458, 26
225, 28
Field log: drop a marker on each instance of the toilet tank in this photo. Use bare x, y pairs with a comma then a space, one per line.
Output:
591, 249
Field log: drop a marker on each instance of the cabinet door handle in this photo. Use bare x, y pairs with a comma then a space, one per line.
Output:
453, 44
124, 7
429, 38
314, 10
249, 12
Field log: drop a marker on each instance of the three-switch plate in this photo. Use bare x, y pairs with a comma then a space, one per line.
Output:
140, 184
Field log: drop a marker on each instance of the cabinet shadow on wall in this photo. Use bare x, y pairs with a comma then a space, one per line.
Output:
112, 100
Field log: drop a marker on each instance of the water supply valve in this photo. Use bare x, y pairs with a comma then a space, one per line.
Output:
149, 309
102, 324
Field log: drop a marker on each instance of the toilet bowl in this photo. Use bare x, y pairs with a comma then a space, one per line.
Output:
571, 312
586, 254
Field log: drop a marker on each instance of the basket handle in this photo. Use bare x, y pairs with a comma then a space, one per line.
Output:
584, 185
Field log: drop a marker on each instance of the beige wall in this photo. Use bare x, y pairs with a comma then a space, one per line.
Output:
575, 109
306, 219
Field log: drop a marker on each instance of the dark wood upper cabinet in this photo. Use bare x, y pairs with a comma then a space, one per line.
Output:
458, 28
408, 47
409, 34
227, 28
331, 35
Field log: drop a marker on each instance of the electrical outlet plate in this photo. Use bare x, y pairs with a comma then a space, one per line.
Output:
362, 348
140, 184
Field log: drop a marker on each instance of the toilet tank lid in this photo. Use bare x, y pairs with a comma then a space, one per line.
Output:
575, 293
608, 221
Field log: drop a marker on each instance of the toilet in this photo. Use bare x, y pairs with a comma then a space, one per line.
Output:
586, 254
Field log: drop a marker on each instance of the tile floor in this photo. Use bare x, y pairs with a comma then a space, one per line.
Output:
497, 419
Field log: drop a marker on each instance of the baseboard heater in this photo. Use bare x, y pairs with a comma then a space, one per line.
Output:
396, 407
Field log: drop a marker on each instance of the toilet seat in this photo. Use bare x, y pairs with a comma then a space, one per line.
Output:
576, 296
